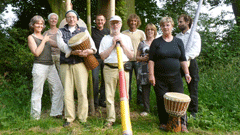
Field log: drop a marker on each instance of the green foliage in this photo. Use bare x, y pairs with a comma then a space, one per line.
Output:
15, 54
120, 10
219, 90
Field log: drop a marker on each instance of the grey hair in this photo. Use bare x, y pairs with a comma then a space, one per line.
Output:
49, 16
35, 19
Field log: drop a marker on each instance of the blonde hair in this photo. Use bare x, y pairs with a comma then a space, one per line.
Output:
152, 26
34, 20
166, 20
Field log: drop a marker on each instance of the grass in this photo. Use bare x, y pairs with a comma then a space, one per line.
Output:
219, 90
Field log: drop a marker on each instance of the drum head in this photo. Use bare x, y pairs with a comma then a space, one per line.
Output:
77, 39
80, 23
175, 96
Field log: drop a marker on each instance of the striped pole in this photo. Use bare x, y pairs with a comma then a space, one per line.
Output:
124, 105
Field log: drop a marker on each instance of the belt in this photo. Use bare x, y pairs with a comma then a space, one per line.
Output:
110, 65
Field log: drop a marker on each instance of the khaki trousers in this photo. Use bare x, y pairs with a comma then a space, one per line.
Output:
75, 76
111, 78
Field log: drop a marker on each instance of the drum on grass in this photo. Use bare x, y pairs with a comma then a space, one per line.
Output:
176, 105
81, 41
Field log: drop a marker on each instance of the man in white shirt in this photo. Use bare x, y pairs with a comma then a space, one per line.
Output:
136, 36
73, 72
192, 51
108, 54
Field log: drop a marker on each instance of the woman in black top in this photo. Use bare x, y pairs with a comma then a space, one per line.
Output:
166, 56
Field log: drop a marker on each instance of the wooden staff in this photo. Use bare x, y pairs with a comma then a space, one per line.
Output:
124, 103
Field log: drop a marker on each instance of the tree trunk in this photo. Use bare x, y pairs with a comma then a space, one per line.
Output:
236, 10
123, 8
90, 83
58, 7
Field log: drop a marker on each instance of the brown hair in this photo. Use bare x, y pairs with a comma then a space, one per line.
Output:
100, 15
166, 19
134, 16
35, 19
151, 25
186, 18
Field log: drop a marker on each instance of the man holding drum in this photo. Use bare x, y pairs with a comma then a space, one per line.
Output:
192, 51
73, 72
108, 53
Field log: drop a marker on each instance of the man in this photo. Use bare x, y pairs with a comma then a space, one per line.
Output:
136, 36
73, 72
97, 34
108, 53
192, 51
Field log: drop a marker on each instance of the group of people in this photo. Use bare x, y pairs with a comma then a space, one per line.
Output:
155, 61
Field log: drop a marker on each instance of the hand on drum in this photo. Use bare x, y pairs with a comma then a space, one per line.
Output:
82, 53
152, 79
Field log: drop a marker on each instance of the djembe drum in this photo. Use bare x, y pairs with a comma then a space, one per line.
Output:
176, 105
81, 41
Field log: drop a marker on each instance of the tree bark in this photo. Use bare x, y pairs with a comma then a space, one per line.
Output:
236, 10
123, 8
58, 7
90, 83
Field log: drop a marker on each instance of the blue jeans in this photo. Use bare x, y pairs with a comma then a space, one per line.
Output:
139, 90
95, 78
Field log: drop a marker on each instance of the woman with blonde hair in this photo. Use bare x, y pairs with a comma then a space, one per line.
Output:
43, 69
142, 57
165, 58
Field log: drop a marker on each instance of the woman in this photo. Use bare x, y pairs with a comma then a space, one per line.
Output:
52, 32
43, 69
142, 57
165, 57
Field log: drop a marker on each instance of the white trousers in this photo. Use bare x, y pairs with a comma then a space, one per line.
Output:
40, 73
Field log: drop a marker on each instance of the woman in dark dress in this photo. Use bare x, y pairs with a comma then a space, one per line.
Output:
166, 56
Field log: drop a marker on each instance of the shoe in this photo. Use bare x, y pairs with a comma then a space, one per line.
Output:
143, 114
108, 124
66, 124
184, 129
163, 127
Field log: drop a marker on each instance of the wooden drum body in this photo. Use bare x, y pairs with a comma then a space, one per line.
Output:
176, 105
82, 42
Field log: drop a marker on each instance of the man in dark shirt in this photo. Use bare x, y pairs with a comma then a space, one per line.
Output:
97, 34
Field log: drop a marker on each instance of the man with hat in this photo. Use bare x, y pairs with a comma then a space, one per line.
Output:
73, 72
108, 54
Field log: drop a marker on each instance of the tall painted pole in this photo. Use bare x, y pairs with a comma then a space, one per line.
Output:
193, 28
124, 103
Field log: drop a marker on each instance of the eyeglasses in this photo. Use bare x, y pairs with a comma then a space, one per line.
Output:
71, 17
117, 23
150, 29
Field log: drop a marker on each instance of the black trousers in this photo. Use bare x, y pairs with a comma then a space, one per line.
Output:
145, 96
163, 85
139, 91
95, 78
193, 86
